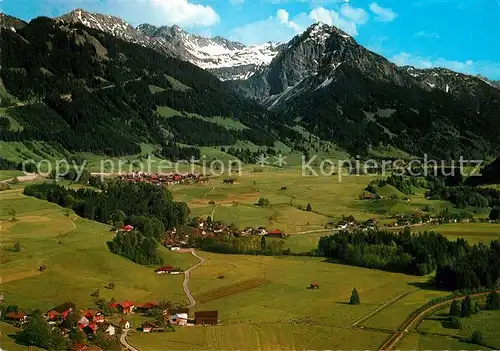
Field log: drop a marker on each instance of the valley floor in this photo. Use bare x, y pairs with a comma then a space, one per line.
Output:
263, 302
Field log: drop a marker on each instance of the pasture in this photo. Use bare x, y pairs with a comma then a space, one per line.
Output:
265, 303
436, 332
77, 259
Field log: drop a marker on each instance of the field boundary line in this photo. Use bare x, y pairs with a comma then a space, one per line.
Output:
384, 306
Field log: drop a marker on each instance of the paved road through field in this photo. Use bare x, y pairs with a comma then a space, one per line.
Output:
391, 343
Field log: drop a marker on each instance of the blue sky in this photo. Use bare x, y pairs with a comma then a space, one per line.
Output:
463, 35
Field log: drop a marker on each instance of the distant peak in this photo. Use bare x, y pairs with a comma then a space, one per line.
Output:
176, 28
321, 31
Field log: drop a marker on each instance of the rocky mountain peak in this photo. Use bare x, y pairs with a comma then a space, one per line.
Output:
10, 22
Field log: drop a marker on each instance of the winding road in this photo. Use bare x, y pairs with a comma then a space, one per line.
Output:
187, 275
192, 301
123, 341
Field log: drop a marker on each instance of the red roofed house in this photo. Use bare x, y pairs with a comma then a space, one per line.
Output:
275, 234
145, 307
124, 307
127, 228
94, 316
60, 312
164, 270
16, 316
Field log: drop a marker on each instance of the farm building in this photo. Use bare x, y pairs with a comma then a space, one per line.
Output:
183, 310
145, 307
60, 312
94, 316
16, 316
164, 270
127, 228
124, 307
180, 318
206, 317
275, 234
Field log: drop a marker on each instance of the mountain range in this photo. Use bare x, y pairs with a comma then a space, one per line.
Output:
321, 81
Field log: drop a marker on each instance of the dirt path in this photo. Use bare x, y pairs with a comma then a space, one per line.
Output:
187, 273
384, 306
27, 177
393, 340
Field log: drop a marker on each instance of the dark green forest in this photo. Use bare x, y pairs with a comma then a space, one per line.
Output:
147, 207
457, 264
89, 91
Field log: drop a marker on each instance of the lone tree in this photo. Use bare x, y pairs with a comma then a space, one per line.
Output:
495, 213
455, 309
354, 298
308, 207
493, 301
13, 214
466, 309
477, 338
263, 201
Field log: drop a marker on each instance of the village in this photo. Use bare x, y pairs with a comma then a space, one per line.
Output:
164, 179
112, 319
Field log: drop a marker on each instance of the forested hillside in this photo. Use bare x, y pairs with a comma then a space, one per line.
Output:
85, 90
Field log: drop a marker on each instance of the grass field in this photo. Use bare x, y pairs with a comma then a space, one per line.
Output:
264, 303
4, 175
77, 259
329, 198
487, 322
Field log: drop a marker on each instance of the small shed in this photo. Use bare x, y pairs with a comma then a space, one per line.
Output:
206, 317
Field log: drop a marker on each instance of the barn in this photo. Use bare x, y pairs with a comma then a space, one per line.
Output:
206, 317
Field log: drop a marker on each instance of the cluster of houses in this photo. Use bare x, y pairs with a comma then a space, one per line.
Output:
164, 178
181, 318
168, 270
91, 320
200, 227
352, 224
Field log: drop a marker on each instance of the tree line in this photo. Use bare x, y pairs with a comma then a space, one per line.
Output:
147, 207
457, 264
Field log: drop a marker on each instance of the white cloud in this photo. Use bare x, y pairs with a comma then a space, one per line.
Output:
425, 34
184, 13
485, 68
283, 17
331, 17
383, 14
282, 27
278, 28
357, 15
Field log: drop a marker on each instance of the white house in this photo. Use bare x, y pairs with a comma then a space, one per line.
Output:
83, 322
111, 330
180, 318
124, 324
